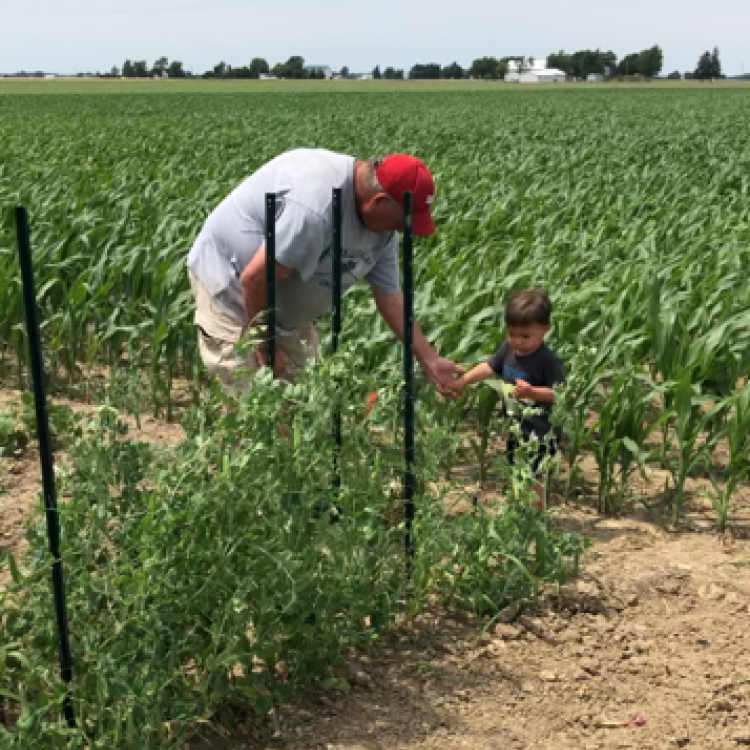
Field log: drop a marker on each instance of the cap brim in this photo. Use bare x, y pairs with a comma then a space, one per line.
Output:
423, 225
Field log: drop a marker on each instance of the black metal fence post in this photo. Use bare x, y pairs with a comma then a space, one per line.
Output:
45, 454
409, 454
336, 327
271, 279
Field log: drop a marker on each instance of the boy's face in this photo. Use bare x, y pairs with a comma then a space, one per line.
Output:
527, 339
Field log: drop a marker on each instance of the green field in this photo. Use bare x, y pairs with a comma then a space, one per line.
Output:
630, 205
98, 86
581, 190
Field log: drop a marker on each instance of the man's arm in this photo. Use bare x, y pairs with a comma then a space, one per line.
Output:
253, 280
442, 372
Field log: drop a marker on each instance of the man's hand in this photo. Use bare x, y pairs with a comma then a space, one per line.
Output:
523, 390
443, 374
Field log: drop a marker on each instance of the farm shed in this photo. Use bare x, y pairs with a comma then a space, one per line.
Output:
538, 72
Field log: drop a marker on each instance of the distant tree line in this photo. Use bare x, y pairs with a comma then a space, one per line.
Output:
586, 62
486, 68
647, 63
294, 67
255, 69
162, 66
581, 64
393, 74
708, 68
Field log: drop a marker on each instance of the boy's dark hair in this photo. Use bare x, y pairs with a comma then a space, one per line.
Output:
528, 307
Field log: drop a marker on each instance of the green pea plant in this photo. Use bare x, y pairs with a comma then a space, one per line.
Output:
229, 570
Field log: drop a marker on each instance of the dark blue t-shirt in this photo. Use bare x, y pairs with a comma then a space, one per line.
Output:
542, 368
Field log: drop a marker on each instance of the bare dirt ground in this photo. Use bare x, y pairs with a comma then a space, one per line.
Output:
649, 648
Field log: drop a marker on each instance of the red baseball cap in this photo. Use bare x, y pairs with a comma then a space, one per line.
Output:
401, 173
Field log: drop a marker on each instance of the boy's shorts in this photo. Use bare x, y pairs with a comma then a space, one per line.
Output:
546, 446
219, 334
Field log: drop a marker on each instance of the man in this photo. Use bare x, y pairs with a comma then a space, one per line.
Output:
227, 264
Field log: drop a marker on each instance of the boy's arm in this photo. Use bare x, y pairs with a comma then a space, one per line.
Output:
553, 374
480, 372
488, 369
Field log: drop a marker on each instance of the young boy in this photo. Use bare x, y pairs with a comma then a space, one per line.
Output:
524, 360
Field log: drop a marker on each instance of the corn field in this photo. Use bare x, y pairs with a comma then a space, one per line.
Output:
630, 207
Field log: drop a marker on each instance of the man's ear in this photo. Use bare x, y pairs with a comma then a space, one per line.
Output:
381, 199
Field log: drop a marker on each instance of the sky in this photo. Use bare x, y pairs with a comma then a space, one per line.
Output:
71, 36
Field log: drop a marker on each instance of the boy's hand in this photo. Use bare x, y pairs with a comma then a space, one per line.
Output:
523, 390
458, 385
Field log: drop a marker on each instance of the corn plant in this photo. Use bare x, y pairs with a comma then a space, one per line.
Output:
696, 425
619, 436
574, 402
728, 478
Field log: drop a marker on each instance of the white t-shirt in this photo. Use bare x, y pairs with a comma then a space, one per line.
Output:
303, 181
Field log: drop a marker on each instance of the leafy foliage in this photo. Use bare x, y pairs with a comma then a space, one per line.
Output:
227, 571
646, 63
709, 66
18, 425
584, 62
14, 436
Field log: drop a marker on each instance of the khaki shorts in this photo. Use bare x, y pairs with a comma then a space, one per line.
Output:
219, 334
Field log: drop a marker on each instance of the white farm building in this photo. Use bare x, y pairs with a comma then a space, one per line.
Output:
538, 72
